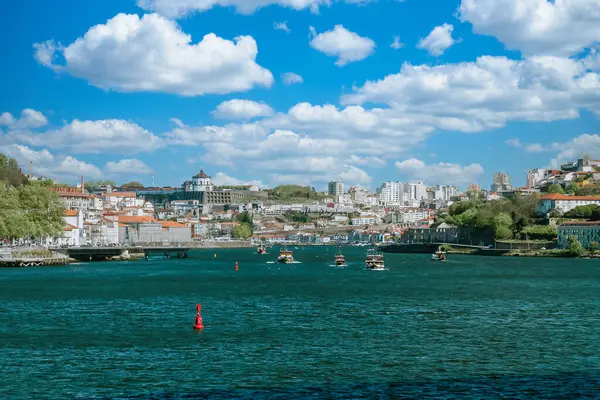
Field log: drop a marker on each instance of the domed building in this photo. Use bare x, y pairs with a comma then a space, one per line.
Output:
202, 183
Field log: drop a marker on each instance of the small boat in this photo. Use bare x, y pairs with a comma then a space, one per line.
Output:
285, 257
374, 260
261, 250
340, 259
439, 255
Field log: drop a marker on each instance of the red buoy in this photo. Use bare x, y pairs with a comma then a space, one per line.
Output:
237, 268
198, 325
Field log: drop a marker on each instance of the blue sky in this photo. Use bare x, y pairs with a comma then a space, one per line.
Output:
124, 89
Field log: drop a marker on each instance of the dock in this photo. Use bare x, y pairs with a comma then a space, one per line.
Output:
110, 252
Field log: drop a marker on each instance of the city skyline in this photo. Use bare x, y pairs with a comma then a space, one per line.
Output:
382, 91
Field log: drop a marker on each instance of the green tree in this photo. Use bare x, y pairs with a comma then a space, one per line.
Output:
582, 211
244, 218
134, 185
555, 188
242, 231
574, 248
593, 248
43, 209
91, 185
540, 232
10, 172
503, 232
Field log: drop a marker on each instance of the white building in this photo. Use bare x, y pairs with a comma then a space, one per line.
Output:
335, 188
410, 216
119, 200
365, 220
415, 191
202, 183
391, 193
535, 176
563, 203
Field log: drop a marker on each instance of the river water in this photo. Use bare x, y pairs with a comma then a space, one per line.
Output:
472, 327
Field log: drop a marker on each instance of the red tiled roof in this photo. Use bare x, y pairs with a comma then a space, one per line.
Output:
69, 228
557, 196
201, 175
120, 194
71, 213
171, 224
126, 219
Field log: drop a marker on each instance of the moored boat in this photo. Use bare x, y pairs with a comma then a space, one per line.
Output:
285, 257
374, 260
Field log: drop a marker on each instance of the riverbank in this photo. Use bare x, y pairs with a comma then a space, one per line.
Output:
20, 258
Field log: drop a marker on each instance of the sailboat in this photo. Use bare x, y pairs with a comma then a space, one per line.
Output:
340, 259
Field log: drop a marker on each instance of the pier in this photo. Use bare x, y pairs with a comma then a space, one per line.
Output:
106, 253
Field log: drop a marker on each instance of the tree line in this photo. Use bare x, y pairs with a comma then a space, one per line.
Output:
28, 209
507, 218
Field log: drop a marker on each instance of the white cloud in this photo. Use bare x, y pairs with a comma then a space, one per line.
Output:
281, 26
242, 109
129, 166
397, 44
557, 27
180, 8
575, 148
485, 94
441, 173
104, 136
153, 54
60, 168
342, 43
515, 142
367, 161
290, 78
29, 119
222, 179
439, 40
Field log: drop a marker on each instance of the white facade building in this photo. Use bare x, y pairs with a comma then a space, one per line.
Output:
335, 188
415, 191
535, 176
202, 183
391, 193
563, 203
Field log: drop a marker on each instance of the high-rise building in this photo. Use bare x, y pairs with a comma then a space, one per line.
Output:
535, 176
501, 182
415, 191
473, 187
336, 188
391, 193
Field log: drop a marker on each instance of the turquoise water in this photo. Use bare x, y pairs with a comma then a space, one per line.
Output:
470, 328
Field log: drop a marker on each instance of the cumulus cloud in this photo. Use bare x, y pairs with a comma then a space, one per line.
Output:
485, 94
367, 161
574, 149
60, 168
153, 54
103, 136
439, 40
397, 44
242, 109
290, 78
222, 179
281, 26
441, 173
536, 27
347, 46
180, 8
29, 119
130, 166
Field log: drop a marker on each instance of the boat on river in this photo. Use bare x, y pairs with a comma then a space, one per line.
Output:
439, 255
340, 259
261, 250
374, 260
285, 257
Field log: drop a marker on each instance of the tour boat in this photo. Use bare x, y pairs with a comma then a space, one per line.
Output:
340, 259
439, 255
285, 257
261, 250
374, 260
